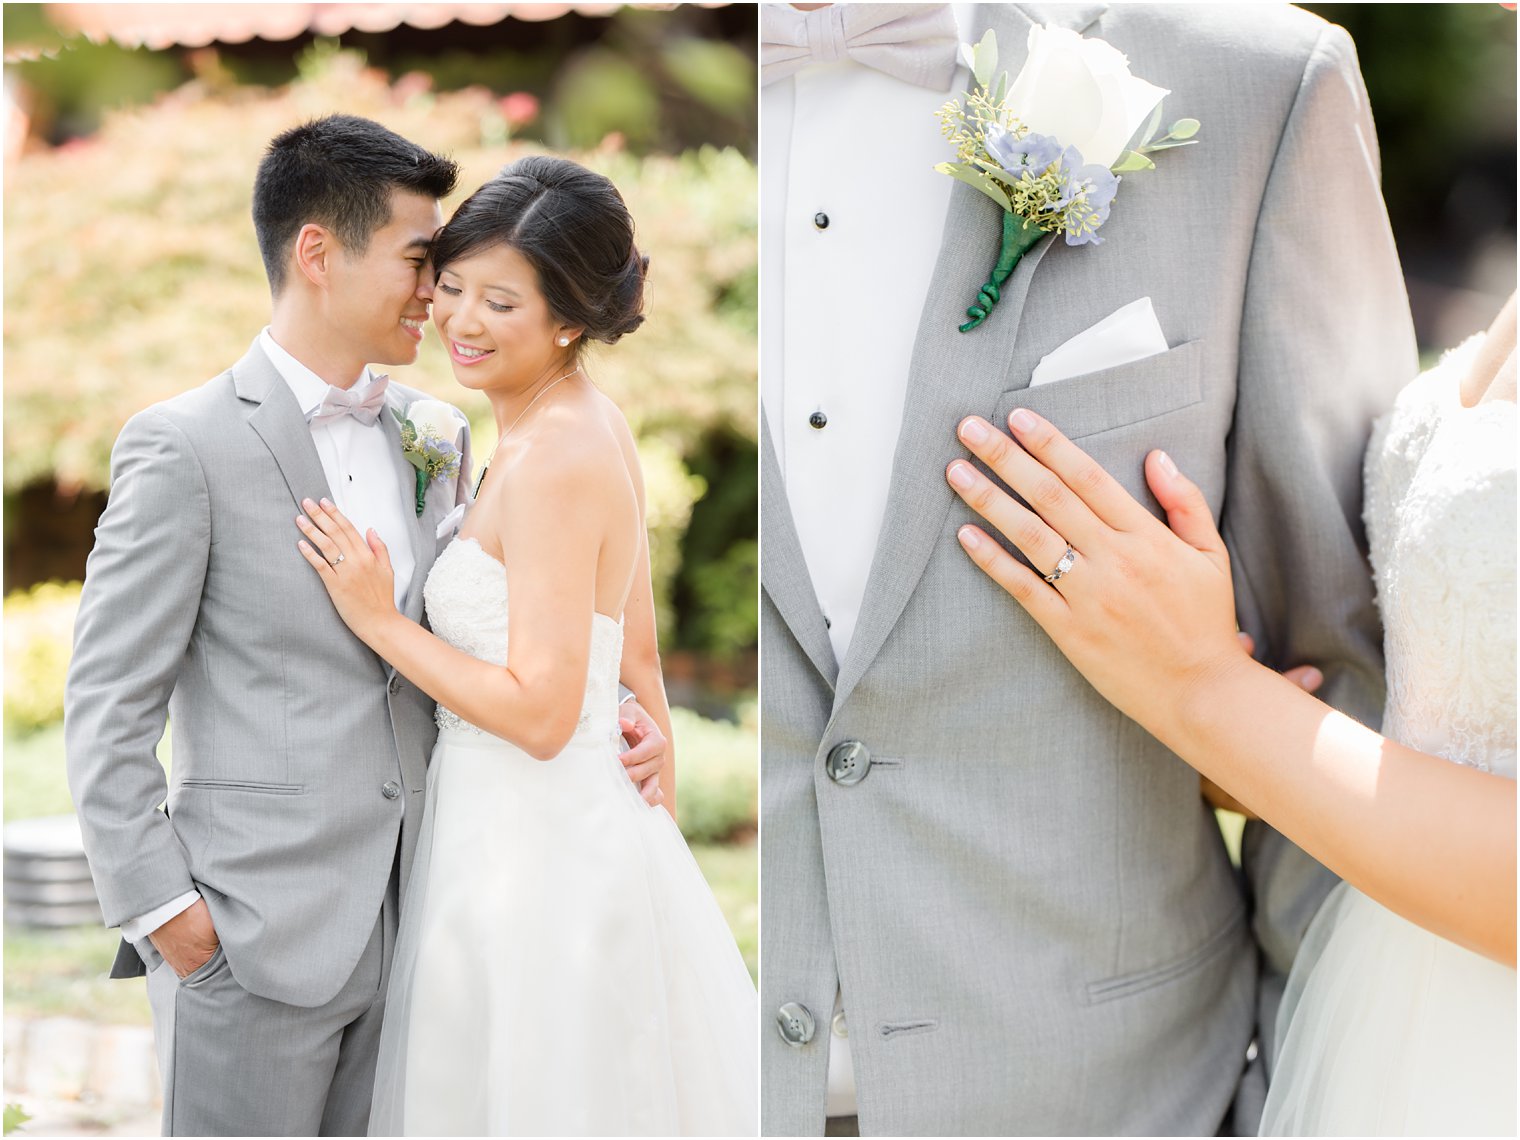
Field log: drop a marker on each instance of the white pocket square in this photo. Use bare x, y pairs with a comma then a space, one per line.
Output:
1129, 334
451, 522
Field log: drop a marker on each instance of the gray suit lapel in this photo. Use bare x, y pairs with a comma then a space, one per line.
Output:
406, 475
278, 420
783, 570
952, 374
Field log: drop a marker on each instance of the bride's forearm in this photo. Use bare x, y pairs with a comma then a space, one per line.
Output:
535, 714
1432, 840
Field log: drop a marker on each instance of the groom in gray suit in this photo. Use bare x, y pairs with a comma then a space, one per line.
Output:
262, 903
993, 904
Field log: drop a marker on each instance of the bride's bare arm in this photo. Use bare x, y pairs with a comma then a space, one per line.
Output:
640, 669
1148, 617
550, 517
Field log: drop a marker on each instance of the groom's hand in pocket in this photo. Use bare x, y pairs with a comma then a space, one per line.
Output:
187, 940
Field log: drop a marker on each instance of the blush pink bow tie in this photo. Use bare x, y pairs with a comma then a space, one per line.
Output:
339, 403
912, 42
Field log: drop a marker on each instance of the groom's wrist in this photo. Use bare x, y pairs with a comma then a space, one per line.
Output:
136, 929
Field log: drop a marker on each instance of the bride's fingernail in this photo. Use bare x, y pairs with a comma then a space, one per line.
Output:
1166, 464
960, 475
327, 503
1021, 420
972, 431
969, 538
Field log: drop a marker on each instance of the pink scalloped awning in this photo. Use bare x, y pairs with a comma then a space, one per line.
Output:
159, 26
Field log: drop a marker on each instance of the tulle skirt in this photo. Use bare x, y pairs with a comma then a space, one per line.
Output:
1387, 1029
562, 967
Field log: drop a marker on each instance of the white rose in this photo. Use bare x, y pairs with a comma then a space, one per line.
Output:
1080, 92
436, 419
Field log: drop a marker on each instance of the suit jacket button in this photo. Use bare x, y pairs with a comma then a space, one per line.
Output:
390, 789
395, 685
795, 1023
848, 763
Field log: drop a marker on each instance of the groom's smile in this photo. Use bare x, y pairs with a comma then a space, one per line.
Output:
379, 294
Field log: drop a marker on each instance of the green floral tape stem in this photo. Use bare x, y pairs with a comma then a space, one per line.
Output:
422, 485
1019, 237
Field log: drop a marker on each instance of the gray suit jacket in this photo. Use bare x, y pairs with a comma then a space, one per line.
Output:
299, 756
1025, 902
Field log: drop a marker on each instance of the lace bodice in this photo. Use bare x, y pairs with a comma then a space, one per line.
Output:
1440, 514
466, 599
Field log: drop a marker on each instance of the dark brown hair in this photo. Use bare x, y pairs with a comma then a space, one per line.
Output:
574, 229
338, 171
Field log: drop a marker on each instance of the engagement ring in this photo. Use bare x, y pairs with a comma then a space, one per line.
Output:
1068, 560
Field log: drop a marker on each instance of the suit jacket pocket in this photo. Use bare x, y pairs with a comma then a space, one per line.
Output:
245, 786
1126, 985
1114, 397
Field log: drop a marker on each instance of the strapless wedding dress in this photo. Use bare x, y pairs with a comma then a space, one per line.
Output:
1386, 1028
562, 967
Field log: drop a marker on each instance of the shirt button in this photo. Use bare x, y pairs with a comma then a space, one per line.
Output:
390, 790
838, 1026
819, 420
820, 220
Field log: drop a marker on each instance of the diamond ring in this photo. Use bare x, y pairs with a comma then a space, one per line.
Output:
1063, 567
336, 560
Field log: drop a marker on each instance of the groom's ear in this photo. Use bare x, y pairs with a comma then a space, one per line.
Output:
314, 246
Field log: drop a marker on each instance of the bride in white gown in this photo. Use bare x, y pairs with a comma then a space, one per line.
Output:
1400, 1012
561, 967
1387, 1028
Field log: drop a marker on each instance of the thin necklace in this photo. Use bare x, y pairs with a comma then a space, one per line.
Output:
486, 466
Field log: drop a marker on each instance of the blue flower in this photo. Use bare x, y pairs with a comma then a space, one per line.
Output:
1087, 194
1031, 154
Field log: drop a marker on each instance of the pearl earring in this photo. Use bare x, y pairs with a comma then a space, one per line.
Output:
564, 342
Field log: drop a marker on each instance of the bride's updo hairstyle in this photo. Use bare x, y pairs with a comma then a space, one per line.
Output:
574, 229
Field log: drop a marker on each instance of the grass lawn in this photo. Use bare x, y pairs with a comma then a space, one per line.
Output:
35, 782
732, 871
62, 973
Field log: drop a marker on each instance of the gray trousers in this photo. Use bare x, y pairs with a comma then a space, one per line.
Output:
236, 1064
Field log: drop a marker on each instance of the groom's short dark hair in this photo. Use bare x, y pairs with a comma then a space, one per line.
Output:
338, 171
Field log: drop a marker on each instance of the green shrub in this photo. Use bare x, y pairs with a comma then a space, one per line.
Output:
39, 635
669, 492
717, 777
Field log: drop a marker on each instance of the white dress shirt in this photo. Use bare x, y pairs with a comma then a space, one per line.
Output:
852, 211
365, 485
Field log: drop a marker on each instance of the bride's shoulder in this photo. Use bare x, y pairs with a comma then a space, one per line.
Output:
571, 451
1424, 404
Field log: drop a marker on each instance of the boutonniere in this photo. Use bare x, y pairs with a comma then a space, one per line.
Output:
1050, 149
430, 443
